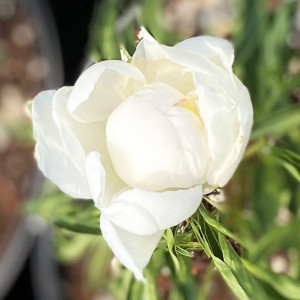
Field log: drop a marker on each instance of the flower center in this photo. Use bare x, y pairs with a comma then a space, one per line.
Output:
189, 105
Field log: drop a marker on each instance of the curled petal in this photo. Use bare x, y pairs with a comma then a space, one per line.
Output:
101, 88
54, 159
133, 250
200, 54
148, 48
135, 221
216, 49
144, 213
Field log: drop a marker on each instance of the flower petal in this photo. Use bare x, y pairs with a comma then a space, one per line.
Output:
148, 47
53, 158
142, 212
79, 140
65, 125
216, 49
102, 178
96, 177
155, 145
232, 108
101, 88
202, 54
133, 250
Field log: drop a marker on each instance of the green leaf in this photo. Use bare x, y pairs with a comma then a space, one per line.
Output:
74, 226
276, 237
170, 243
81, 217
201, 239
120, 287
244, 277
183, 251
277, 124
284, 285
150, 290
292, 170
209, 235
98, 263
289, 160
183, 238
136, 290
287, 155
71, 246
230, 279
218, 226
169, 238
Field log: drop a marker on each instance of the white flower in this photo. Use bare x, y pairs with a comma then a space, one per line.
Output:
146, 139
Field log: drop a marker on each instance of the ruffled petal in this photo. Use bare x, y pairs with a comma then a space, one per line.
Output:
101, 88
144, 213
53, 157
133, 250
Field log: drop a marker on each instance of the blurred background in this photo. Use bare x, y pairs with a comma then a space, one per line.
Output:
50, 247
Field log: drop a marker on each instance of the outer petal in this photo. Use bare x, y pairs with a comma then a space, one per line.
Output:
135, 221
96, 177
148, 48
216, 49
67, 128
143, 212
133, 250
153, 60
101, 88
102, 178
231, 107
53, 158
201, 54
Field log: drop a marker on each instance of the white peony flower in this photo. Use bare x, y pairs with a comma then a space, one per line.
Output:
146, 138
